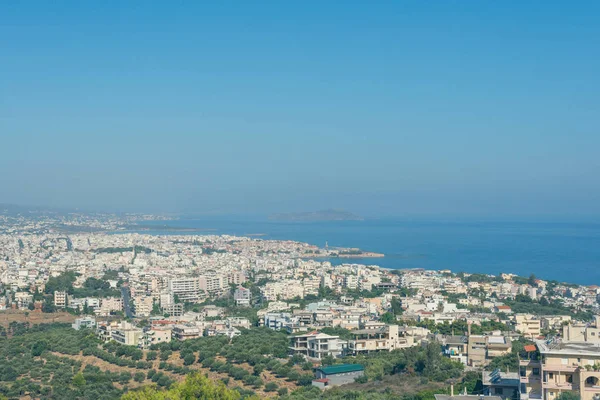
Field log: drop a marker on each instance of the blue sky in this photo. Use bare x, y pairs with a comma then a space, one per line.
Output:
382, 108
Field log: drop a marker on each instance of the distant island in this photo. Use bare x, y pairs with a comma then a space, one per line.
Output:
314, 216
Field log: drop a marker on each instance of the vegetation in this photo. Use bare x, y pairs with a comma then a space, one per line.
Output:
195, 386
510, 361
29, 366
91, 288
525, 304
460, 327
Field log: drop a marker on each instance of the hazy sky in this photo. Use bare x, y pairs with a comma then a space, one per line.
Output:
381, 108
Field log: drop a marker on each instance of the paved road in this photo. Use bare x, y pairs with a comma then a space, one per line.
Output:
126, 303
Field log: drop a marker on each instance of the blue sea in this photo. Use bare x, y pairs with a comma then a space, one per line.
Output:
567, 252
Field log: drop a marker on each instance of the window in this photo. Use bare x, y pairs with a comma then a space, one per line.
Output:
550, 375
498, 390
564, 361
536, 371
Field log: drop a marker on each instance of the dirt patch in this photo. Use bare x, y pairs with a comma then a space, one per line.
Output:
8, 316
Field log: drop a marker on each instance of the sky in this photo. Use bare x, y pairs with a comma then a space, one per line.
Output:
380, 108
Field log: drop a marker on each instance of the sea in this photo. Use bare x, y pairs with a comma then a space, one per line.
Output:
562, 251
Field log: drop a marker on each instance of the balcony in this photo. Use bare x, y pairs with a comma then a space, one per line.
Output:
558, 385
529, 363
560, 368
529, 378
531, 396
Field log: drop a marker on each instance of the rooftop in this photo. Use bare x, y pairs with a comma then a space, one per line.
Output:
500, 378
465, 397
340, 369
562, 348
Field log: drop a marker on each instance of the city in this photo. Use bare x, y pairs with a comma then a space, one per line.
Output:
511, 336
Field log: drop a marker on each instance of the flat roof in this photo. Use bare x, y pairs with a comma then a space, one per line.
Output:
341, 368
465, 397
564, 348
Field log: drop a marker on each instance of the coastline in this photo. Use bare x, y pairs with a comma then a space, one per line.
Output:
557, 251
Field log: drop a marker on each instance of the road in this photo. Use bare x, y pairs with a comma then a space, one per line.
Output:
126, 301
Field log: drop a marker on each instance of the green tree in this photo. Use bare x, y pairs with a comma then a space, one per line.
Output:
388, 318
139, 377
189, 359
38, 348
195, 386
532, 280
79, 380
568, 395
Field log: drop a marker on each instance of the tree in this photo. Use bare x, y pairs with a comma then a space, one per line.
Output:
271, 387
258, 369
327, 360
305, 379
532, 280
307, 366
79, 380
388, 318
189, 359
568, 395
195, 386
38, 348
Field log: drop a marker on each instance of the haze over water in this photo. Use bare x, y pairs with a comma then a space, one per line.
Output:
568, 252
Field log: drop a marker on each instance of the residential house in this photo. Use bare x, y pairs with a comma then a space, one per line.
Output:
316, 345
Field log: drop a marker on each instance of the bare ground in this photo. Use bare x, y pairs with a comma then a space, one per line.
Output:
33, 317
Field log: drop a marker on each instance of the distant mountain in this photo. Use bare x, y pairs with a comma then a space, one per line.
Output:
323, 215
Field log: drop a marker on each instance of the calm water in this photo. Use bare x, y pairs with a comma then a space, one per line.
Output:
567, 252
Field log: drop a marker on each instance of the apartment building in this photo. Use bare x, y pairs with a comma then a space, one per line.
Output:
288, 289
503, 384
213, 284
109, 305
455, 347
311, 285
380, 337
316, 345
236, 278
186, 331
143, 305
348, 319
187, 289
242, 296
482, 349
529, 325
104, 330
275, 320
555, 321
85, 322
558, 367
60, 299
351, 282
589, 333
155, 335
174, 310
127, 334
